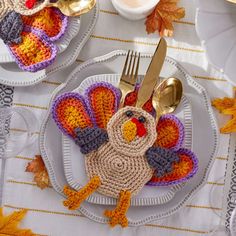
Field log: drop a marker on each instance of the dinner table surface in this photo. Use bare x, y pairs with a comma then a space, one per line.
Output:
46, 215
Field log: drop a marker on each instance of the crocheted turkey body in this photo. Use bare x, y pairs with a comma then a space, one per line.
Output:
124, 149
30, 39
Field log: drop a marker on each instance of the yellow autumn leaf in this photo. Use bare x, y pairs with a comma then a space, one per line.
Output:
161, 19
9, 224
227, 106
223, 103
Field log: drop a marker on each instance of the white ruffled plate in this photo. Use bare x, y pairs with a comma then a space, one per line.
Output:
205, 137
216, 28
74, 160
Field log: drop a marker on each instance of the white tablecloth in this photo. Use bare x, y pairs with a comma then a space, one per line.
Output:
46, 215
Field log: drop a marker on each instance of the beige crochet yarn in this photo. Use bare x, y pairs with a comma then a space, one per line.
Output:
5, 7
19, 6
121, 165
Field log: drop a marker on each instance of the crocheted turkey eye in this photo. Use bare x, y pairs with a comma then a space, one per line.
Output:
142, 119
129, 113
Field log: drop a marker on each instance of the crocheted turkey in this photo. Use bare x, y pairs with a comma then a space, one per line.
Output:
124, 148
30, 39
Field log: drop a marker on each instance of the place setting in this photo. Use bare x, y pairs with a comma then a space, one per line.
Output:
172, 97
122, 141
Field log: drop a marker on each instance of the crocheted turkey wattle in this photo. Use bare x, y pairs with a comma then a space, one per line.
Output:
124, 149
30, 39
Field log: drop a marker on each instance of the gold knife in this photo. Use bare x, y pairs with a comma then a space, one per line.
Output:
152, 76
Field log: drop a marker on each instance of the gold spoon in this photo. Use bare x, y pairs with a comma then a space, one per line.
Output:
73, 7
233, 1
167, 96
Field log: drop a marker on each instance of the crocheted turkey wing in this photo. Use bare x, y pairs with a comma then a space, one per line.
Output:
172, 164
73, 112
170, 132
171, 167
90, 138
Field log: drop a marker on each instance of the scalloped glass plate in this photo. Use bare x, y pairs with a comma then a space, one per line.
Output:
216, 28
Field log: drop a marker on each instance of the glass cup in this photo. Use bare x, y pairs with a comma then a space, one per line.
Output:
18, 127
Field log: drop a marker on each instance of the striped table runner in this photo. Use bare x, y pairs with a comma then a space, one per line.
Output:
46, 215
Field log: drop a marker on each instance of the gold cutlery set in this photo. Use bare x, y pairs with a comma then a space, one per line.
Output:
166, 94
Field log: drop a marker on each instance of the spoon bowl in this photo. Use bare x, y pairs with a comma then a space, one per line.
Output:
73, 7
167, 96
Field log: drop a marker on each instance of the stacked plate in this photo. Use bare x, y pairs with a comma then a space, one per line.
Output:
65, 163
69, 47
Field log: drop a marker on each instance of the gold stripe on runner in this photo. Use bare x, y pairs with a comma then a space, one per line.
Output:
24, 183
21, 130
30, 106
208, 78
143, 43
222, 158
24, 158
51, 82
43, 211
177, 229
204, 207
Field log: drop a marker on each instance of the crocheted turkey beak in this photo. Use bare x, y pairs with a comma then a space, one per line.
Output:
131, 128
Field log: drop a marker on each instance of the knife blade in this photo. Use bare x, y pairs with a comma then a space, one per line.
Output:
152, 76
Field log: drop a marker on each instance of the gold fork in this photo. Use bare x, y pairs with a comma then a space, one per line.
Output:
129, 75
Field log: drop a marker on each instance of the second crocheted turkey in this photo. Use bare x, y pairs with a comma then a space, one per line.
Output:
124, 149
30, 39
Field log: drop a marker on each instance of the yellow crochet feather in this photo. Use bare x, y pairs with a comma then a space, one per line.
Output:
9, 224
227, 106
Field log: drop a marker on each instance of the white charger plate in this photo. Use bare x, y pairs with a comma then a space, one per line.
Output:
74, 165
205, 131
62, 44
12, 75
216, 28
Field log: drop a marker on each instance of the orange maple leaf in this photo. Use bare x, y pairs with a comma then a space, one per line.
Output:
161, 19
9, 224
37, 167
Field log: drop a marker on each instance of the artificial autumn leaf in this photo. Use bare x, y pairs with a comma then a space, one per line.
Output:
161, 19
227, 106
37, 167
9, 224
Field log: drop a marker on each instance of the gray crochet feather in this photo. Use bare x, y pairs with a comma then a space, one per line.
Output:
11, 27
90, 138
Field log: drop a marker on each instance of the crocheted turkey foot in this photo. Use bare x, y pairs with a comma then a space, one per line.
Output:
118, 215
75, 198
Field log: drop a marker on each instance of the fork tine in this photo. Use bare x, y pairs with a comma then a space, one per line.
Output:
137, 67
126, 62
134, 62
130, 63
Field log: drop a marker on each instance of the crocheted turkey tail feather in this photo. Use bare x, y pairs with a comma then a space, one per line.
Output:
72, 110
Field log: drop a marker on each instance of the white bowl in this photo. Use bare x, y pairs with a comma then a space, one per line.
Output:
134, 13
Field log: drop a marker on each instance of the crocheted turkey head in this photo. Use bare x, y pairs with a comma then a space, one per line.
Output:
30, 39
124, 149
